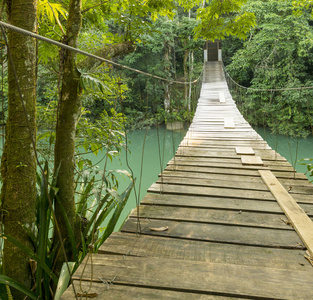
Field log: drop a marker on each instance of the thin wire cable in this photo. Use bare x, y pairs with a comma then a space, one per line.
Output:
50, 41
126, 150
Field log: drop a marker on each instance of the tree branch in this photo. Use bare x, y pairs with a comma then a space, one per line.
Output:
107, 52
91, 7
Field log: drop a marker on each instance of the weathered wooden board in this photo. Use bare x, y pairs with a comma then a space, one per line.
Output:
229, 123
256, 144
300, 186
240, 235
214, 216
225, 181
224, 153
221, 279
234, 171
244, 151
126, 292
222, 97
216, 202
209, 191
274, 166
155, 246
299, 219
243, 185
252, 160
230, 160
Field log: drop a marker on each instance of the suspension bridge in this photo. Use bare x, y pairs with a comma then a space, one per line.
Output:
229, 218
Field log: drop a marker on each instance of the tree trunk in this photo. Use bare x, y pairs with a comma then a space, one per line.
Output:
18, 165
110, 51
69, 111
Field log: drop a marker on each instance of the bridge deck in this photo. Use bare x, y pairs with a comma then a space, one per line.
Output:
226, 236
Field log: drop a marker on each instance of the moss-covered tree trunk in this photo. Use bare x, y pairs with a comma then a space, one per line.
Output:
18, 165
69, 111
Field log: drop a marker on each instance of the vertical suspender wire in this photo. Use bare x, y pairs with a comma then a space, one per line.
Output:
36, 155
158, 139
309, 113
126, 153
142, 157
264, 116
274, 121
297, 145
276, 136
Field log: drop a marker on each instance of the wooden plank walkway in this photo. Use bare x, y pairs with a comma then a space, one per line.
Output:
210, 226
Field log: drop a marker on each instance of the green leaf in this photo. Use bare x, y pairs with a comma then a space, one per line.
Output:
64, 279
118, 210
15, 284
89, 81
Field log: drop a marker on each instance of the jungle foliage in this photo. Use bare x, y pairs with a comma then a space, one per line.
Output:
276, 54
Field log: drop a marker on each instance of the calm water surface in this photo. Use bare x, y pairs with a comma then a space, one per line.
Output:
292, 149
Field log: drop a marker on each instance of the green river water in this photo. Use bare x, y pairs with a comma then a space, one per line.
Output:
169, 142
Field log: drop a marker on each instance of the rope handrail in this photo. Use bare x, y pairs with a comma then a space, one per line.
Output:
53, 42
265, 90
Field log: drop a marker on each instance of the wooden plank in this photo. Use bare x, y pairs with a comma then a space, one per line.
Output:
244, 151
219, 192
283, 165
208, 141
126, 292
223, 177
233, 171
229, 234
209, 191
213, 216
229, 123
225, 183
205, 278
228, 165
122, 243
294, 184
227, 153
216, 202
222, 97
299, 219
251, 160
